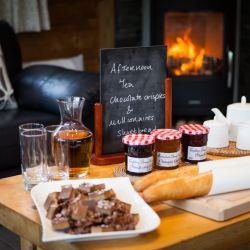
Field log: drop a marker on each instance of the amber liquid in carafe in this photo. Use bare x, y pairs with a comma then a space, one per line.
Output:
75, 146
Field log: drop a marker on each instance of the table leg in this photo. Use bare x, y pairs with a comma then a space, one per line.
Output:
26, 245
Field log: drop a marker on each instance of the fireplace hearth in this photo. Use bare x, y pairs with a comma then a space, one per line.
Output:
200, 36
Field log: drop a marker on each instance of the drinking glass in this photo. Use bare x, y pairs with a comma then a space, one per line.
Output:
57, 170
30, 126
33, 157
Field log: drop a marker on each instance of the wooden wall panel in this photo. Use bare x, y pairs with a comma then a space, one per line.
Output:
106, 23
77, 26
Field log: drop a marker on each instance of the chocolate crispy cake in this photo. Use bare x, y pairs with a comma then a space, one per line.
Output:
89, 208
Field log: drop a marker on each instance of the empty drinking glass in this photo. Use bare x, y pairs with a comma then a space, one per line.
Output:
33, 156
57, 170
30, 126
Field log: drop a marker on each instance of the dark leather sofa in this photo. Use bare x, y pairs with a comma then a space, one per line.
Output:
36, 89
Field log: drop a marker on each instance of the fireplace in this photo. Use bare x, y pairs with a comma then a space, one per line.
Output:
192, 49
200, 36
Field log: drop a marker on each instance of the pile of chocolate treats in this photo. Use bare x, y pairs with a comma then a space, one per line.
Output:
89, 208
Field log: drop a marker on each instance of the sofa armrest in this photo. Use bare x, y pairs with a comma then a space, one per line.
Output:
37, 88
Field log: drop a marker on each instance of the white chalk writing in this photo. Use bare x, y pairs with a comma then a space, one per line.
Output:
118, 68
134, 119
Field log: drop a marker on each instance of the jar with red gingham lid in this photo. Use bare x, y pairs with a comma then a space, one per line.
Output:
167, 148
194, 142
138, 153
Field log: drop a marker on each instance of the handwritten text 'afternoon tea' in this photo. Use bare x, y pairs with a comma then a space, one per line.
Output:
130, 99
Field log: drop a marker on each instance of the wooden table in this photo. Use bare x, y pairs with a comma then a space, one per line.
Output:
178, 229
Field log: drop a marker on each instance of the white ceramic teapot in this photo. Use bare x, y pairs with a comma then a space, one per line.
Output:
237, 113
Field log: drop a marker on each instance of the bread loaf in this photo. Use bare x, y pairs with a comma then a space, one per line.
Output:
147, 180
179, 188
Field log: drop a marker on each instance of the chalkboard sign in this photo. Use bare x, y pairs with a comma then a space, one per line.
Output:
132, 93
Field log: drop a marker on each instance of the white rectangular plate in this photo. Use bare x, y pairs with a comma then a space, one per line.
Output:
149, 220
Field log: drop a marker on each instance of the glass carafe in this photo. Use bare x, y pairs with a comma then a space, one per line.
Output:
72, 141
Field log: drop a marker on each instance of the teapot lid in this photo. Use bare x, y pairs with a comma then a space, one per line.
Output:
240, 105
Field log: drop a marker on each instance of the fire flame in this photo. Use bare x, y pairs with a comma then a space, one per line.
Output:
184, 50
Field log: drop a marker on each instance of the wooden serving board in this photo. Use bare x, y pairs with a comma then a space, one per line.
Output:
217, 207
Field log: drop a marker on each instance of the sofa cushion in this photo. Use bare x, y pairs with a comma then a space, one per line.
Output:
74, 62
38, 87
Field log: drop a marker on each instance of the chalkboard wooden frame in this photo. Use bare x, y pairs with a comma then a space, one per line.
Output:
98, 157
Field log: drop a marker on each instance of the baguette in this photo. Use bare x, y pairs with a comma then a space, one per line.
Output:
179, 188
147, 180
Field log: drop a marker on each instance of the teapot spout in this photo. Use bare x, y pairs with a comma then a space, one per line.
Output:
218, 115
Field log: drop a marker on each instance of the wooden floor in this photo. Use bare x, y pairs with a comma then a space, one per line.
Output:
8, 240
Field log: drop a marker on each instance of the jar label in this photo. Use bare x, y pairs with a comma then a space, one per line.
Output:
168, 159
140, 165
196, 153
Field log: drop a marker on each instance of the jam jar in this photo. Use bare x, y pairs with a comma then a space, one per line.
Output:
167, 148
138, 153
194, 142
